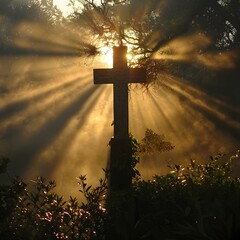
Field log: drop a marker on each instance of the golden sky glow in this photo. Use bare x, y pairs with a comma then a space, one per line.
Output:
107, 56
187, 49
56, 123
63, 6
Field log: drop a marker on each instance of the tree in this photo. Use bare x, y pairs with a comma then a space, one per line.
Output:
147, 27
30, 10
29, 28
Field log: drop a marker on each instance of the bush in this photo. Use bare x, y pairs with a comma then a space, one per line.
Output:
198, 201
34, 212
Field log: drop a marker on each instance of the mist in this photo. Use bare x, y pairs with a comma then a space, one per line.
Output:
55, 123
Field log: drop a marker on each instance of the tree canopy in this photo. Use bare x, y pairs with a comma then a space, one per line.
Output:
153, 30
147, 26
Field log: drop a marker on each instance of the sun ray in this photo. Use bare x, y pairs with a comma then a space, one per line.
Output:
14, 104
62, 145
192, 48
55, 122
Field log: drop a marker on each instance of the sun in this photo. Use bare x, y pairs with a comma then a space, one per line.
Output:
106, 55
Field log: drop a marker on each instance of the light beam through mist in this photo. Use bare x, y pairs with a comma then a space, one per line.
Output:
59, 127
193, 48
56, 123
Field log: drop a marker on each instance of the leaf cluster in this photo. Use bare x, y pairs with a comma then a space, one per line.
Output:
154, 142
197, 201
34, 211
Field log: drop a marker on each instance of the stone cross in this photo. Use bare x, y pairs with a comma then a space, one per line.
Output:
120, 76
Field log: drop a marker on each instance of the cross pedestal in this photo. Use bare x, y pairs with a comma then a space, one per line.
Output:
120, 76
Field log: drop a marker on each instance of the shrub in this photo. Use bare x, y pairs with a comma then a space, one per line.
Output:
197, 201
34, 212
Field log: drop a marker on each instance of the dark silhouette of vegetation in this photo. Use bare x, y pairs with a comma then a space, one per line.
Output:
30, 10
148, 27
34, 211
196, 201
197, 41
36, 28
153, 142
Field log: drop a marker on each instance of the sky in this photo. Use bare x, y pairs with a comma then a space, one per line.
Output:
63, 6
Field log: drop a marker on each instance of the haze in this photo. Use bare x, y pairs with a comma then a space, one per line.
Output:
56, 123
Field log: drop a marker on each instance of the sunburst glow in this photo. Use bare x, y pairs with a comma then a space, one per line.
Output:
63, 6
56, 123
107, 55
187, 48
51, 115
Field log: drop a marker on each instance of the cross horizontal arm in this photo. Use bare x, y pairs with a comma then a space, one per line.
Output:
138, 75
129, 75
110, 75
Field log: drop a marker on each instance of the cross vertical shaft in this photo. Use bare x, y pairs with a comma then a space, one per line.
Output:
120, 76
120, 93
120, 145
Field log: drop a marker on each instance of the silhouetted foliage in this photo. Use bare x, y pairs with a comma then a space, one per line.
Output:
153, 142
196, 201
3, 164
148, 27
34, 211
37, 28
30, 10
